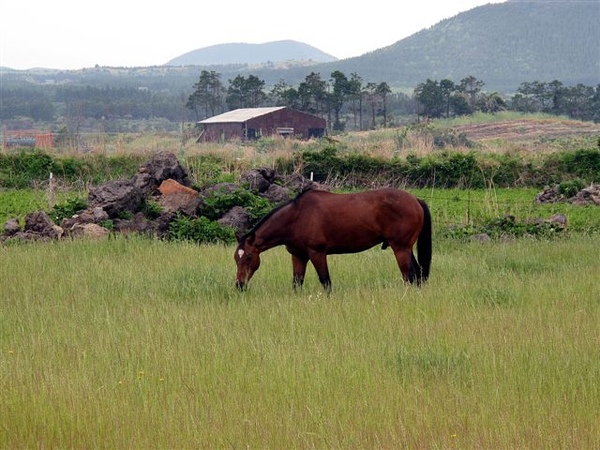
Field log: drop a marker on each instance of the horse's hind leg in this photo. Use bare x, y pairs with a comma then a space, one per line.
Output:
319, 261
408, 264
417, 268
299, 270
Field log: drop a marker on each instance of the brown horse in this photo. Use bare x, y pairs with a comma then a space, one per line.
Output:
320, 223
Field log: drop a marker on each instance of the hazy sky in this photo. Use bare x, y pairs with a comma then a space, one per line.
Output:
69, 34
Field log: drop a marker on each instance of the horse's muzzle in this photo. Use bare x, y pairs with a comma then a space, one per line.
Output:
240, 285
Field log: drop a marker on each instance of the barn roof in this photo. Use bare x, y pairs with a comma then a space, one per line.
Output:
241, 115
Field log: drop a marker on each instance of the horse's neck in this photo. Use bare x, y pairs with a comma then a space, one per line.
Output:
275, 231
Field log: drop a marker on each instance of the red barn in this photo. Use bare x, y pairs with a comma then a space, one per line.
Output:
253, 123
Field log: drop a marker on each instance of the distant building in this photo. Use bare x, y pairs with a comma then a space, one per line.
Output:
253, 123
27, 139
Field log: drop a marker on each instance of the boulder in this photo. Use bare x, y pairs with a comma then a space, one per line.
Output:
180, 201
89, 230
550, 194
299, 183
137, 224
236, 218
169, 186
257, 180
40, 223
116, 197
276, 193
560, 220
587, 196
12, 227
162, 166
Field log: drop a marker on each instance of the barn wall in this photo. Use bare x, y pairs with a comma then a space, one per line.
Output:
287, 118
216, 132
281, 121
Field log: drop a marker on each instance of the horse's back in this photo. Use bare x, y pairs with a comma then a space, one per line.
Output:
363, 218
386, 200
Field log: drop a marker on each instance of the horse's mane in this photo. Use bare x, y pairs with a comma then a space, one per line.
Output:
267, 216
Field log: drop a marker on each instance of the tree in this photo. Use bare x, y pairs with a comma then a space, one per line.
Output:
556, 91
578, 101
447, 87
207, 95
491, 103
282, 94
341, 90
371, 94
471, 87
312, 94
356, 95
522, 101
245, 92
382, 91
430, 97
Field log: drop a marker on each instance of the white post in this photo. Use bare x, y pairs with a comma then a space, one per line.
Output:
51, 191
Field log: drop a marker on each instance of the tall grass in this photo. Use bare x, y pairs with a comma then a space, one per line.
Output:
133, 343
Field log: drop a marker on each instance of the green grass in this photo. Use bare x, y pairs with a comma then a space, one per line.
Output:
449, 207
134, 343
16, 203
459, 207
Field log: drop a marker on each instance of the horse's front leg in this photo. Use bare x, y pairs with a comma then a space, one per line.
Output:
319, 261
299, 270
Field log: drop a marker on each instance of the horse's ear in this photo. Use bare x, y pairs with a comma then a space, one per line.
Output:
239, 235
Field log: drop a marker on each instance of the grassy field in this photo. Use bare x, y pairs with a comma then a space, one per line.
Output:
134, 343
449, 207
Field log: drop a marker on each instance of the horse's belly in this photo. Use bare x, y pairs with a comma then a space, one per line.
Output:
354, 246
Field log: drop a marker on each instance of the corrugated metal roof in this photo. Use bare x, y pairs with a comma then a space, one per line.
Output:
241, 115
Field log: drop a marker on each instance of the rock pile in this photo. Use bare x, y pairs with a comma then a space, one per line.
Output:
587, 196
165, 181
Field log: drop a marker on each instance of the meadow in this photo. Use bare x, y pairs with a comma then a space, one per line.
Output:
138, 343
133, 342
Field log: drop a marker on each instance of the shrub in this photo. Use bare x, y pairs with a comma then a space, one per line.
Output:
571, 187
67, 209
217, 203
583, 163
152, 209
200, 230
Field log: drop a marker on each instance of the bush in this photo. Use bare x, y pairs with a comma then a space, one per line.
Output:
220, 202
448, 169
582, 163
24, 169
200, 230
67, 209
570, 188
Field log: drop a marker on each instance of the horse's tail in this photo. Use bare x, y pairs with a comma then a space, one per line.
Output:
424, 242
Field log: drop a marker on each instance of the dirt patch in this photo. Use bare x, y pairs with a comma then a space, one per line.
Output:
517, 131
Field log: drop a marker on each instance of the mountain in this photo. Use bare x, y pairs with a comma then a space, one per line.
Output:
240, 53
502, 44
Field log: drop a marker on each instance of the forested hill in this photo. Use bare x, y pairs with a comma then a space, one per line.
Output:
502, 44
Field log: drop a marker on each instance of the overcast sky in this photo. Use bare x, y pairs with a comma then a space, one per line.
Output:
69, 34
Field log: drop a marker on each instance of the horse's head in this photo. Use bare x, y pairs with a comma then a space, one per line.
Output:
247, 259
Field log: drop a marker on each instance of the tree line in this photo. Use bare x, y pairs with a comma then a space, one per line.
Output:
350, 101
347, 102
314, 95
